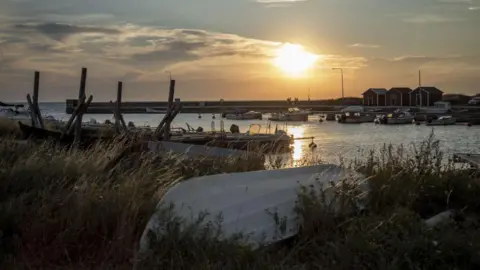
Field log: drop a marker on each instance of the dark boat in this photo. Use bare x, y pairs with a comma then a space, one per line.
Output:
265, 143
88, 137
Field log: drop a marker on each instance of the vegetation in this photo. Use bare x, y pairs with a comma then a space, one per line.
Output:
86, 209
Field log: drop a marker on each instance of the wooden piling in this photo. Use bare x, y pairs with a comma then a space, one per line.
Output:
171, 95
170, 118
118, 106
35, 108
162, 122
81, 95
79, 111
31, 111
118, 118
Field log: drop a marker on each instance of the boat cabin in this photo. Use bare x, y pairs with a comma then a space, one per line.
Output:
442, 105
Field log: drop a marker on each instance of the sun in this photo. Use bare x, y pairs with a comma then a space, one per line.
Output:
294, 60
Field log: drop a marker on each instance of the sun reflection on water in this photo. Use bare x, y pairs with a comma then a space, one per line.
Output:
297, 132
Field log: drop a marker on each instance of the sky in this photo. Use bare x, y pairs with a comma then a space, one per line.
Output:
226, 49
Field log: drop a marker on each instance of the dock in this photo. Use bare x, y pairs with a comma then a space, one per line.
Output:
472, 159
229, 106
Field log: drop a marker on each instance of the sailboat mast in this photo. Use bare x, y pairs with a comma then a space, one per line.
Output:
419, 78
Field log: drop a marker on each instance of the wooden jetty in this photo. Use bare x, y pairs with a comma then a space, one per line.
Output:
472, 159
262, 142
75, 132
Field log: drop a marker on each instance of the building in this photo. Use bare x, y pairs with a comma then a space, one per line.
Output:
399, 96
375, 97
456, 99
425, 96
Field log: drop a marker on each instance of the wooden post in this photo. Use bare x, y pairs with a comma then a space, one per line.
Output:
32, 110
118, 118
72, 117
164, 120
171, 94
119, 104
79, 111
171, 116
81, 95
36, 108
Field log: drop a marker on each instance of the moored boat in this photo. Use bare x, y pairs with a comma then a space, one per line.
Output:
293, 114
152, 110
14, 112
30, 132
251, 115
330, 117
397, 118
355, 118
442, 121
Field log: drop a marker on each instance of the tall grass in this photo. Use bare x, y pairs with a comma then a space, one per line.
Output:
86, 209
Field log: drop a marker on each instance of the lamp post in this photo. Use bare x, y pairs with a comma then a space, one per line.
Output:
341, 72
170, 74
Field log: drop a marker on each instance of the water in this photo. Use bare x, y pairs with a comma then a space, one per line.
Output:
333, 140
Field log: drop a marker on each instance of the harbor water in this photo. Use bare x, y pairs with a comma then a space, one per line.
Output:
334, 141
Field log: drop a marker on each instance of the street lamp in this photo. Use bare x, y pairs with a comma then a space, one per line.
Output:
341, 72
170, 74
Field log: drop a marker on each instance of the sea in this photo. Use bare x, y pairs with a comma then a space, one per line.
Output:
334, 142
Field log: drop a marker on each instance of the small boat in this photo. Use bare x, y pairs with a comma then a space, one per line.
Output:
15, 112
293, 114
355, 118
248, 202
193, 151
262, 142
251, 115
330, 117
88, 138
442, 121
439, 107
151, 110
473, 122
396, 118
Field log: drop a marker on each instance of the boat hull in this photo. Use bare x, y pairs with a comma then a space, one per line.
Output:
247, 202
88, 138
244, 116
397, 121
259, 142
290, 117
356, 120
442, 122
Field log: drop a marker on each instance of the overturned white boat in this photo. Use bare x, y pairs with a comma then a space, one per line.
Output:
249, 203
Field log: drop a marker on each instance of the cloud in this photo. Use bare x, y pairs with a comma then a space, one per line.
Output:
456, 1
279, 1
430, 18
367, 46
59, 31
474, 8
124, 49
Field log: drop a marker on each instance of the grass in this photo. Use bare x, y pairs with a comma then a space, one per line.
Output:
86, 209
8, 128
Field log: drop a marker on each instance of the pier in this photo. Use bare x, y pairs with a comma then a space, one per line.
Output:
208, 106
266, 106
